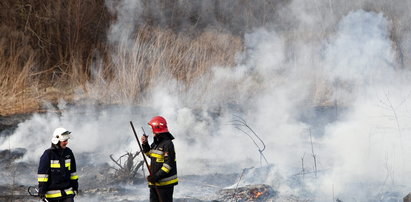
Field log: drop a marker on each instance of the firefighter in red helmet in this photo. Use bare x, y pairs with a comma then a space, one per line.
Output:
163, 164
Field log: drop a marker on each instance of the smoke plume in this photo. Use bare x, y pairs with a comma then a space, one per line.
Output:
348, 57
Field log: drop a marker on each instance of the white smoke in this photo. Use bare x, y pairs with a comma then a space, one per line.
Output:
127, 13
365, 146
344, 57
101, 131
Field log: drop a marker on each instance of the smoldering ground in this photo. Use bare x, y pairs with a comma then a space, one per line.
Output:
351, 58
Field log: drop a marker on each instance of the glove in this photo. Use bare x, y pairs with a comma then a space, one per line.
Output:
42, 197
152, 178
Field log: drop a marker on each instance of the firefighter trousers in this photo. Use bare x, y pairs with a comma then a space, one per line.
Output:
68, 199
166, 194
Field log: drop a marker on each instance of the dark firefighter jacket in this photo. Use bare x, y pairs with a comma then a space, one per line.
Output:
163, 164
57, 173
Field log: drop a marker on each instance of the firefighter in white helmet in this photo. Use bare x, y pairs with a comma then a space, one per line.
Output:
57, 177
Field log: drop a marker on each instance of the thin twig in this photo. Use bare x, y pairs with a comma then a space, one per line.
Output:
313, 154
118, 164
236, 187
239, 123
302, 165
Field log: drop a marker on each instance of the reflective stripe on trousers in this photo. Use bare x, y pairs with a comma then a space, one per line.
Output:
58, 193
166, 181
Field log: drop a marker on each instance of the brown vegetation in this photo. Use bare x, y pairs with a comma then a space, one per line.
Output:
49, 49
157, 54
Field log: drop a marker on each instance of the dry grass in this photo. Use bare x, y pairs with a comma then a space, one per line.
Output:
125, 77
157, 54
46, 44
48, 50
18, 84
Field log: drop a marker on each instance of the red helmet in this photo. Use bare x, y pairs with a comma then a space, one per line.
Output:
158, 124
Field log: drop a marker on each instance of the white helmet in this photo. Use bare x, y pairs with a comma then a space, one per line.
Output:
60, 134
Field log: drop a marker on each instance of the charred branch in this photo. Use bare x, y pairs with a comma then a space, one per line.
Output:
242, 125
127, 168
259, 192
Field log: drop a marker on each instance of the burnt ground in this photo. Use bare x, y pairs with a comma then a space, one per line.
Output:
97, 182
9, 123
101, 182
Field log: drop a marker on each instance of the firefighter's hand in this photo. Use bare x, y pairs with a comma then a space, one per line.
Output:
143, 139
42, 197
152, 178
